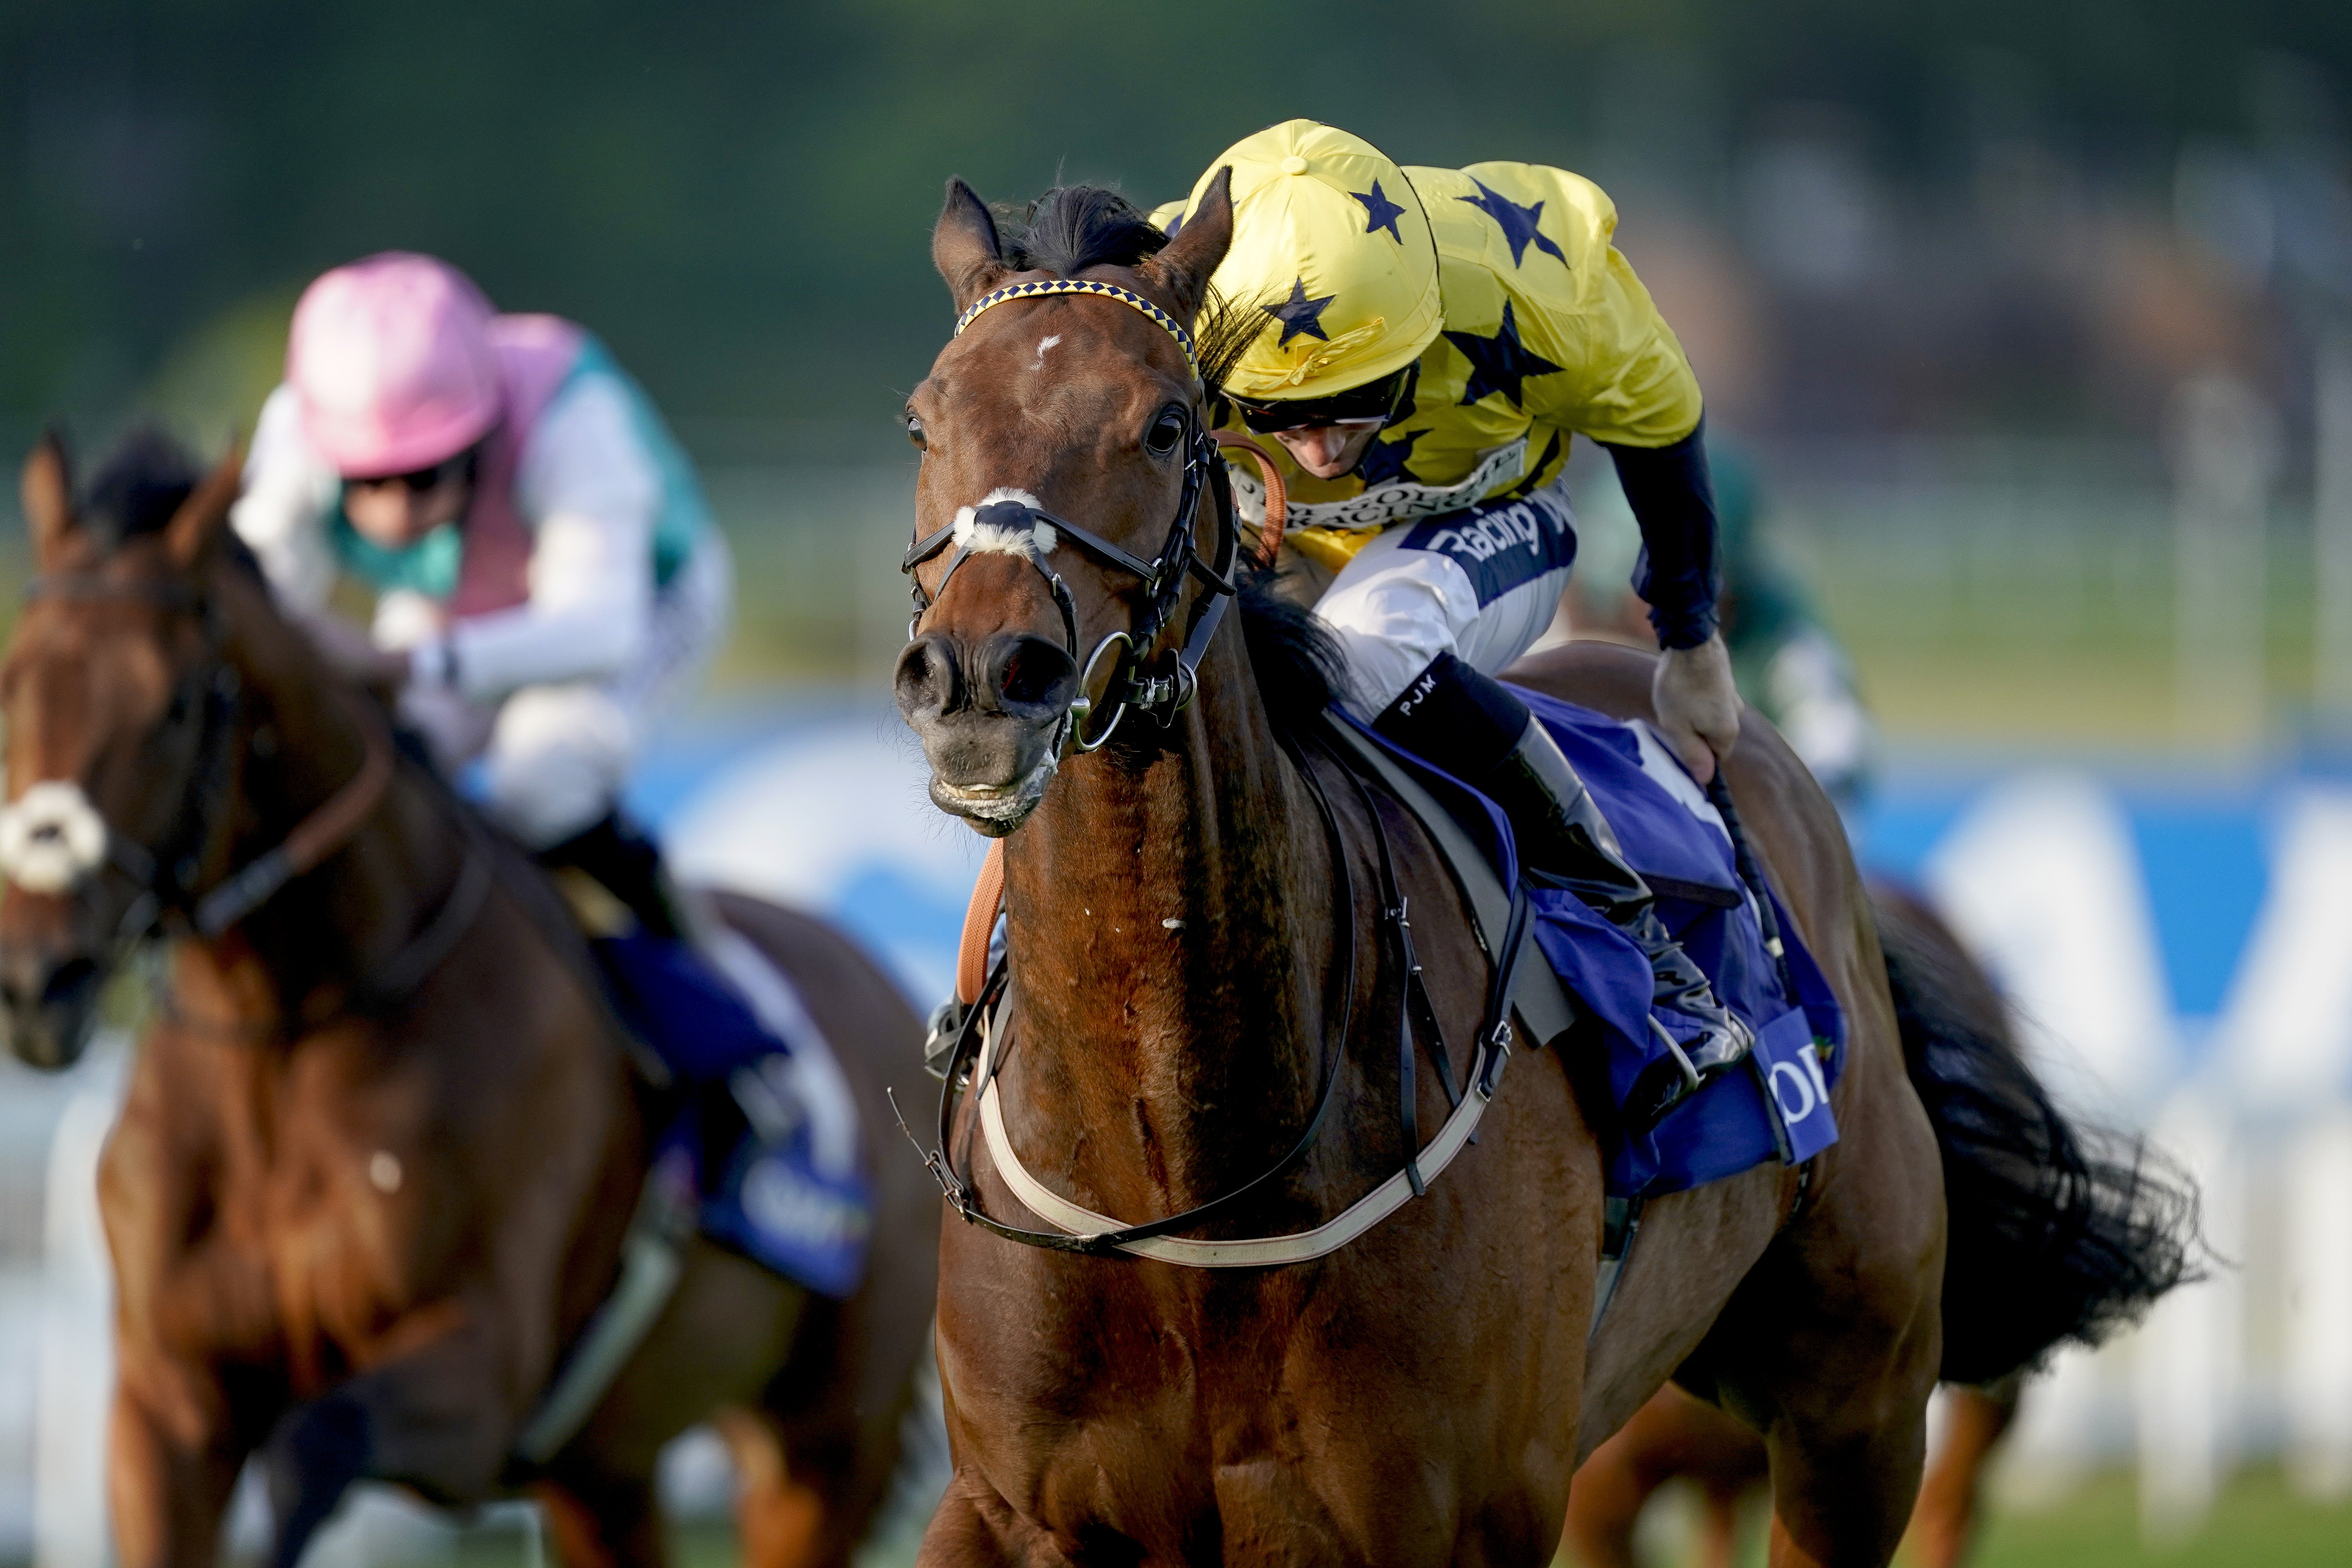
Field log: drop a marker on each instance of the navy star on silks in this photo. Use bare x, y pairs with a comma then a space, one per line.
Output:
1499, 363
1517, 223
1380, 213
1384, 461
1300, 314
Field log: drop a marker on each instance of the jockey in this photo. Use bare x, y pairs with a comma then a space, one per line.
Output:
548, 576
1432, 339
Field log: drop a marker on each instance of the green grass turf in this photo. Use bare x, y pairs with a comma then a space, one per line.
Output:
2259, 1523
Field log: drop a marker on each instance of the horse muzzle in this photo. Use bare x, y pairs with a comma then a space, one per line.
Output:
48, 992
992, 714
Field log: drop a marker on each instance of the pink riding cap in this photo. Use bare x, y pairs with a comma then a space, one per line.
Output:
393, 361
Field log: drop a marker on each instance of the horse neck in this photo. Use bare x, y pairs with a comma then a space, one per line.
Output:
1171, 931
333, 926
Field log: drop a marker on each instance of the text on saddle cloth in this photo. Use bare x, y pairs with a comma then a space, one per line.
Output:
768, 1140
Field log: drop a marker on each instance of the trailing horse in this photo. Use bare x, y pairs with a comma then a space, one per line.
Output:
384, 1147
1201, 1033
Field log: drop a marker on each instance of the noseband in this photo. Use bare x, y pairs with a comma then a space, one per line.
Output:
1159, 696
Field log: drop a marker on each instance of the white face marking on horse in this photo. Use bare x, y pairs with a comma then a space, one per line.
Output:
51, 838
990, 539
1039, 362
383, 1171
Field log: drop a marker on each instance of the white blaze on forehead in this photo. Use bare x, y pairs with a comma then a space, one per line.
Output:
988, 537
51, 838
1039, 362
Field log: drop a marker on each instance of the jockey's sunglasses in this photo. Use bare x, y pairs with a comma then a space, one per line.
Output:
1374, 403
420, 480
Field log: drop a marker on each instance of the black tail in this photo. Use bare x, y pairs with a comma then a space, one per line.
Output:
2058, 1231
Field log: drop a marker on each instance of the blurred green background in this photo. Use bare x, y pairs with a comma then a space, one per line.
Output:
1948, 270
1946, 265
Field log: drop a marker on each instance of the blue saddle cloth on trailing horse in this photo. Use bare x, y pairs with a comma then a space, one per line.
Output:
765, 1140
1670, 834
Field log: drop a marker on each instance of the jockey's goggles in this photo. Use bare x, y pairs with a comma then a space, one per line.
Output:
1374, 403
419, 482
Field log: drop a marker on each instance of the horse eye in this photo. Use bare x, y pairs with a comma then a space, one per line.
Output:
1165, 432
915, 433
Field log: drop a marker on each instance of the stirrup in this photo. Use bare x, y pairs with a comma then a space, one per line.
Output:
1663, 1085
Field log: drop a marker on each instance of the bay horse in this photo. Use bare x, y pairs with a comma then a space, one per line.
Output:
383, 1140
1946, 993
1198, 921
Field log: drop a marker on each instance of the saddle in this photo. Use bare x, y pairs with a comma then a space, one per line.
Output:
1716, 900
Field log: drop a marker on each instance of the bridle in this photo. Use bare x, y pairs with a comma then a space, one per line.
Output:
979, 1034
164, 874
1130, 685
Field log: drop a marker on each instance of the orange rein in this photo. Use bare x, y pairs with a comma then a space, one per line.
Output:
1277, 497
988, 893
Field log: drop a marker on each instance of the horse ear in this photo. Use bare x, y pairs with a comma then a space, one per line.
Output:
1184, 265
197, 526
964, 245
47, 494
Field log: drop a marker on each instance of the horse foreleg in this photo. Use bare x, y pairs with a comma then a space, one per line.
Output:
974, 1528
783, 1522
431, 1418
1604, 1504
172, 1464
603, 1521
1945, 1521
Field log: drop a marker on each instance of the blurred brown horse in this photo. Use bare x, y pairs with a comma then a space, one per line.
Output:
1677, 1438
1198, 935
383, 1141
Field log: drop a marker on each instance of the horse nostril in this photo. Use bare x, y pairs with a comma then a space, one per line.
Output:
1028, 672
71, 981
926, 680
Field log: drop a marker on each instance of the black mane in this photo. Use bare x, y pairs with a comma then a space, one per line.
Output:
1299, 667
140, 486
143, 480
1073, 228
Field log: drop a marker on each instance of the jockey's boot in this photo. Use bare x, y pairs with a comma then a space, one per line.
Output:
1474, 727
613, 854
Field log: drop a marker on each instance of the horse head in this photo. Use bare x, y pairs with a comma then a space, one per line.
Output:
1064, 474
107, 696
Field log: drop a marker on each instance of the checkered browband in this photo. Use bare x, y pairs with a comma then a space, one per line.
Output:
1127, 297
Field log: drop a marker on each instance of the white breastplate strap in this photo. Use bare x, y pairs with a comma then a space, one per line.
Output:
1254, 1252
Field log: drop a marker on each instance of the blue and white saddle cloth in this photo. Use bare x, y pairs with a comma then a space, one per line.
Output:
1673, 837
768, 1139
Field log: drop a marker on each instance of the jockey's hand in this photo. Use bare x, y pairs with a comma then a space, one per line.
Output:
354, 656
1696, 705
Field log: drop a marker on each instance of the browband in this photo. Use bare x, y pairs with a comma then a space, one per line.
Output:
1128, 297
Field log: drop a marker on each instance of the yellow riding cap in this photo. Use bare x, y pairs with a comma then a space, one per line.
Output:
1502, 282
1330, 242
